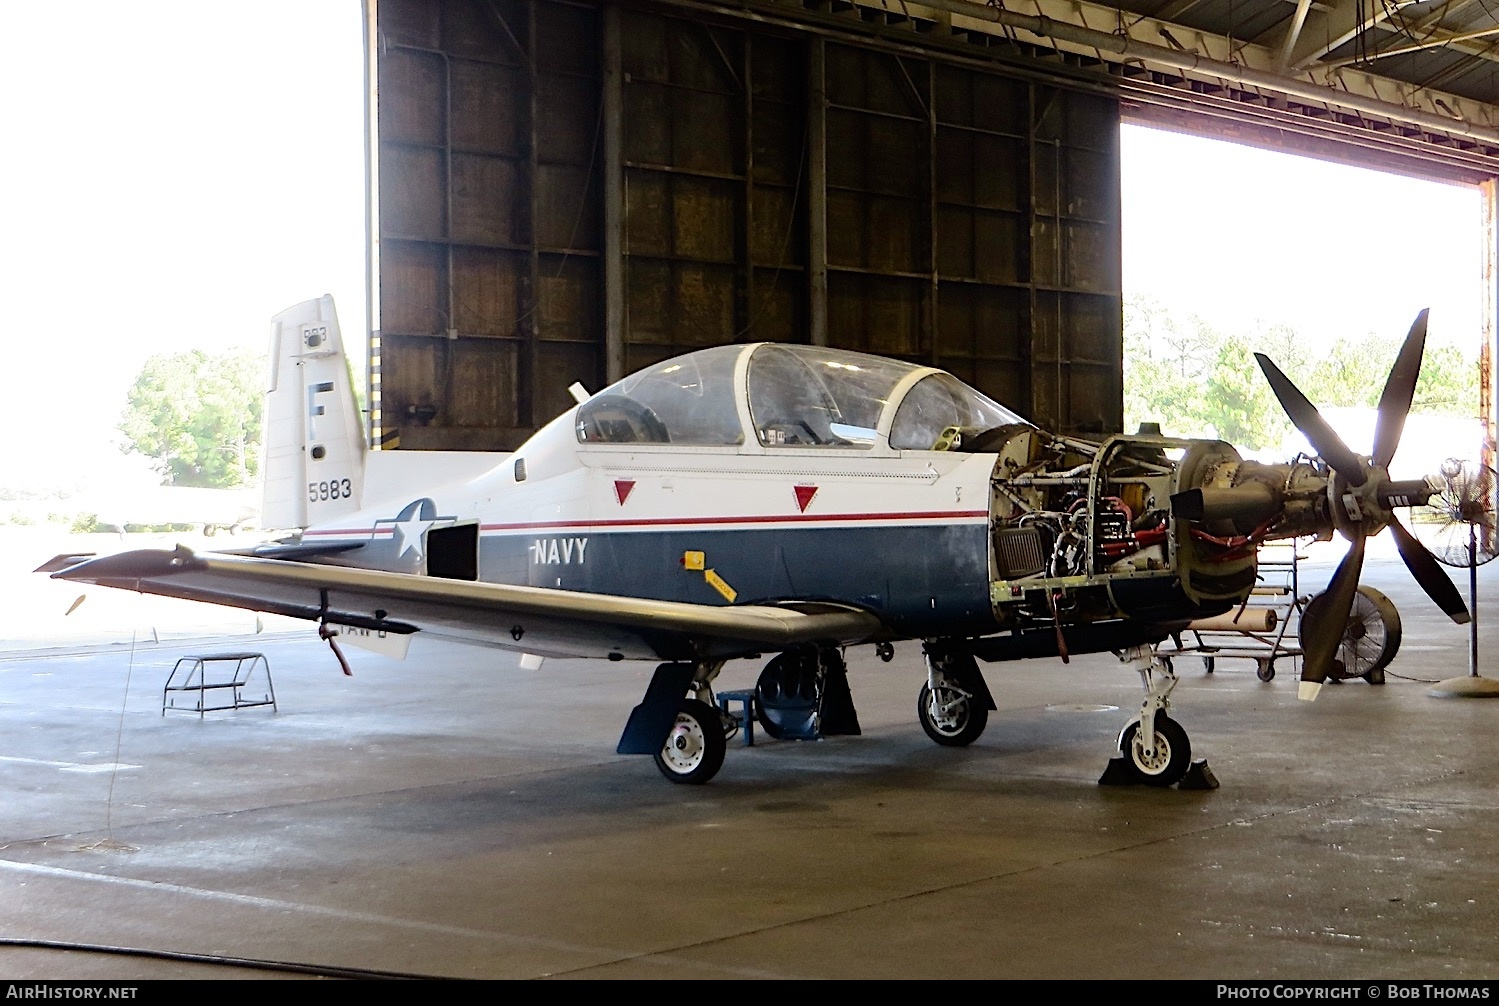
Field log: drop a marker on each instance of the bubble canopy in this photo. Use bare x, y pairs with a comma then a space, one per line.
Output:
781, 395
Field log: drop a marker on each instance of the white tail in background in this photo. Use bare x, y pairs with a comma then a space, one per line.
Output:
314, 437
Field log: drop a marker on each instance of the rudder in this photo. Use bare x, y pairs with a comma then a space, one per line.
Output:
314, 435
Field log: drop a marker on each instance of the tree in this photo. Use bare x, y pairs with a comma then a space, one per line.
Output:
1198, 382
198, 417
1241, 407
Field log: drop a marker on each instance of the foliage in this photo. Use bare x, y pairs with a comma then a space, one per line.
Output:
198, 417
1197, 381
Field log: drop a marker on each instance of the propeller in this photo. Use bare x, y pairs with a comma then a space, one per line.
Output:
1361, 496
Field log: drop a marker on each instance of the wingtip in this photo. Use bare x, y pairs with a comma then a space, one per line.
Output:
127, 565
1308, 691
67, 560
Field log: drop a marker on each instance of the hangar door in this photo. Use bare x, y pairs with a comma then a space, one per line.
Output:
571, 191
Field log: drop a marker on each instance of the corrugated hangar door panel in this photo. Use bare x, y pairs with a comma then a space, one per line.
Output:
1076, 361
485, 205
704, 218
778, 313
876, 314
413, 281
568, 304
411, 22
569, 208
487, 284
412, 203
412, 89
969, 218
439, 382
486, 118
558, 365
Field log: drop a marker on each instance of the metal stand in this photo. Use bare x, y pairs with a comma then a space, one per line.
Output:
1473, 686
1283, 599
234, 680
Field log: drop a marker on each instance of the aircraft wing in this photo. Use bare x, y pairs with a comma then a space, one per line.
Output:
539, 620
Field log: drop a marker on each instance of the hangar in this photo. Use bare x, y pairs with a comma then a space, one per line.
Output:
573, 190
937, 183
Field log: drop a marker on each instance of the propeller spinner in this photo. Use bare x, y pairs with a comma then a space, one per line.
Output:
1361, 497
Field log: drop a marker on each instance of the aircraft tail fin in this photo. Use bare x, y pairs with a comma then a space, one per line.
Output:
314, 435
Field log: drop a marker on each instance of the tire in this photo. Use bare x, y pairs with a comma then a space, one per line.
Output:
694, 750
1172, 758
788, 697
959, 724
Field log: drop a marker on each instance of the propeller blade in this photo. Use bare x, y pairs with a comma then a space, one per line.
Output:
1327, 633
1311, 424
1399, 389
1428, 573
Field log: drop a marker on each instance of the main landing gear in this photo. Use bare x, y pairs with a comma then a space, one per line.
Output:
694, 750
802, 694
954, 702
678, 723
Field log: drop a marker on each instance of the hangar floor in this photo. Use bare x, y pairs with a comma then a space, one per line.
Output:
453, 815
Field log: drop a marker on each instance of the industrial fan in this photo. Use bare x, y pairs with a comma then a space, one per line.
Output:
1457, 525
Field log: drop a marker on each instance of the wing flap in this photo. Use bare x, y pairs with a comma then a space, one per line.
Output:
532, 619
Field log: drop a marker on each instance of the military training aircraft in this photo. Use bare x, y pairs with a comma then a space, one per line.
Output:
790, 501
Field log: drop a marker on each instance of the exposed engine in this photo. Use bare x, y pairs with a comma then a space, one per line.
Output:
1137, 523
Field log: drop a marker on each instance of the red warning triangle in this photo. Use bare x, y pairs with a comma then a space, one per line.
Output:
804, 496
622, 489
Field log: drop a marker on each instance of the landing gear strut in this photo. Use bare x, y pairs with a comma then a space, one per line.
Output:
678, 723
954, 703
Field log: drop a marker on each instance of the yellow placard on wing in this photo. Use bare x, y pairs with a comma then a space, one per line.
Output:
693, 561
717, 583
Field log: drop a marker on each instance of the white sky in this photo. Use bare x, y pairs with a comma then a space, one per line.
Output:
174, 173
1238, 234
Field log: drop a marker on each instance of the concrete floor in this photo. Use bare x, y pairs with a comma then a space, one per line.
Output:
454, 815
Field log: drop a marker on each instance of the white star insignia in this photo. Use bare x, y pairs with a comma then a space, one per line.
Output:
409, 534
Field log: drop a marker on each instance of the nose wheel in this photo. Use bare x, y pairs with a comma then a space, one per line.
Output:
1166, 761
694, 750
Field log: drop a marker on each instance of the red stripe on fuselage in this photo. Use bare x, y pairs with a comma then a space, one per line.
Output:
586, 525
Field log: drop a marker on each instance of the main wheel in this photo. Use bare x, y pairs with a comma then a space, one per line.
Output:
788, 697
693, 752
1370, 640
1171, 758
950, 717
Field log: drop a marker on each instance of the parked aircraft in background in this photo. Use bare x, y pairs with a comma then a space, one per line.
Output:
790, 500
213, 510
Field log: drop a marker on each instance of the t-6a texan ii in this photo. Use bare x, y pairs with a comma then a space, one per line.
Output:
790, 501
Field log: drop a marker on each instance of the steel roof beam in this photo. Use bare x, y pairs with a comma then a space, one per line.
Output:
1084, 27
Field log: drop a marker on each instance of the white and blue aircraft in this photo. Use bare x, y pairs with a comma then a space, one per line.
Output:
788, 500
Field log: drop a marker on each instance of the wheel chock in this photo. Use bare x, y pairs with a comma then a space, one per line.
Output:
1118, 773
1198, 776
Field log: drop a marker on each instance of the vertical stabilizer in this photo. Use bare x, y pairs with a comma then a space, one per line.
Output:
314, 437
